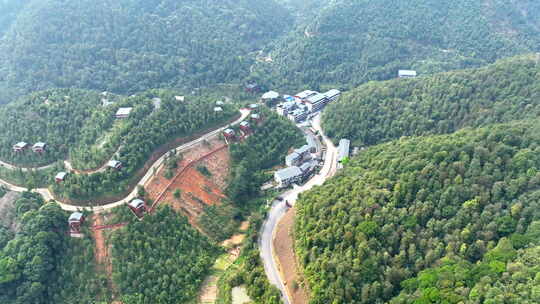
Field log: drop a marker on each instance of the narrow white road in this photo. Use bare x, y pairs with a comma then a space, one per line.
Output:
12, 167
144, 180
278, 210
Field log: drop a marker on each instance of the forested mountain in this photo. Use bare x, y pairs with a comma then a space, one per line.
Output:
41, 264
132, 45
381, 111
428, 220
161, 259
55, 117
148, 133
351, 42
8, 12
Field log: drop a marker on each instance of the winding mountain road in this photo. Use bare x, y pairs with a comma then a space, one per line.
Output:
278, 210
47, 195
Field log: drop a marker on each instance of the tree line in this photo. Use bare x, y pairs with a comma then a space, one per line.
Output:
434, 219
382, 111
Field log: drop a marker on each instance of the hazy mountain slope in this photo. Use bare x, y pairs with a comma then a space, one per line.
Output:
443, 103
460, 202
350, 42
8, 12
132, 45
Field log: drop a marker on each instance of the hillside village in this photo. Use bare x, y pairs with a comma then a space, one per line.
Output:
269, 152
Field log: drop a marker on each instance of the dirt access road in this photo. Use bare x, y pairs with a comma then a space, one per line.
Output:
278, 210
149, 174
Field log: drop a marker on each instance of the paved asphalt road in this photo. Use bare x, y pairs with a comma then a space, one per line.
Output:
278, 209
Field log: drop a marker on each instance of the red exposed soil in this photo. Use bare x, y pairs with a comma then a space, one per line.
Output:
197, 190
102, 251
284, 251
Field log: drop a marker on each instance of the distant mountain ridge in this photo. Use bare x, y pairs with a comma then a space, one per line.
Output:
129, 46
346, 43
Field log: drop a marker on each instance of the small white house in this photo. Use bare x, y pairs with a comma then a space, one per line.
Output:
123, 112
406, 74
114, 164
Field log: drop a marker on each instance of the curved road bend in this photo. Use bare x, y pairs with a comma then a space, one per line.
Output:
47, 195
278, 210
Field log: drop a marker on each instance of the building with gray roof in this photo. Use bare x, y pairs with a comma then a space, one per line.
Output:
316, 102
287, 176
293, 159
332, 95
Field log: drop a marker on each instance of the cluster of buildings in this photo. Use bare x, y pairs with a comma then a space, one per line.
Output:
245, 126
77, 219
298, 107
300, 165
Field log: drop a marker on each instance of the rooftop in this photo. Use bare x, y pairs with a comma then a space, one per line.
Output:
255, 116
409, 73
316, 98
219, 103
253, 106
124, 111
291, 157
61, 175
305, 94
75, 217
39, 145
244, 124
136, 203
288, 173
179, 98
21, 144
218, 109
229, 131
303, 149
288, 97
332, 93
270, 95
114, 164
307, 166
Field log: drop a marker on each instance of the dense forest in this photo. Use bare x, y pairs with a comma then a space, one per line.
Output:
161, 259
55, 117
132, 45
351, 42
40, 263
427, 220
381, 111
265, 148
